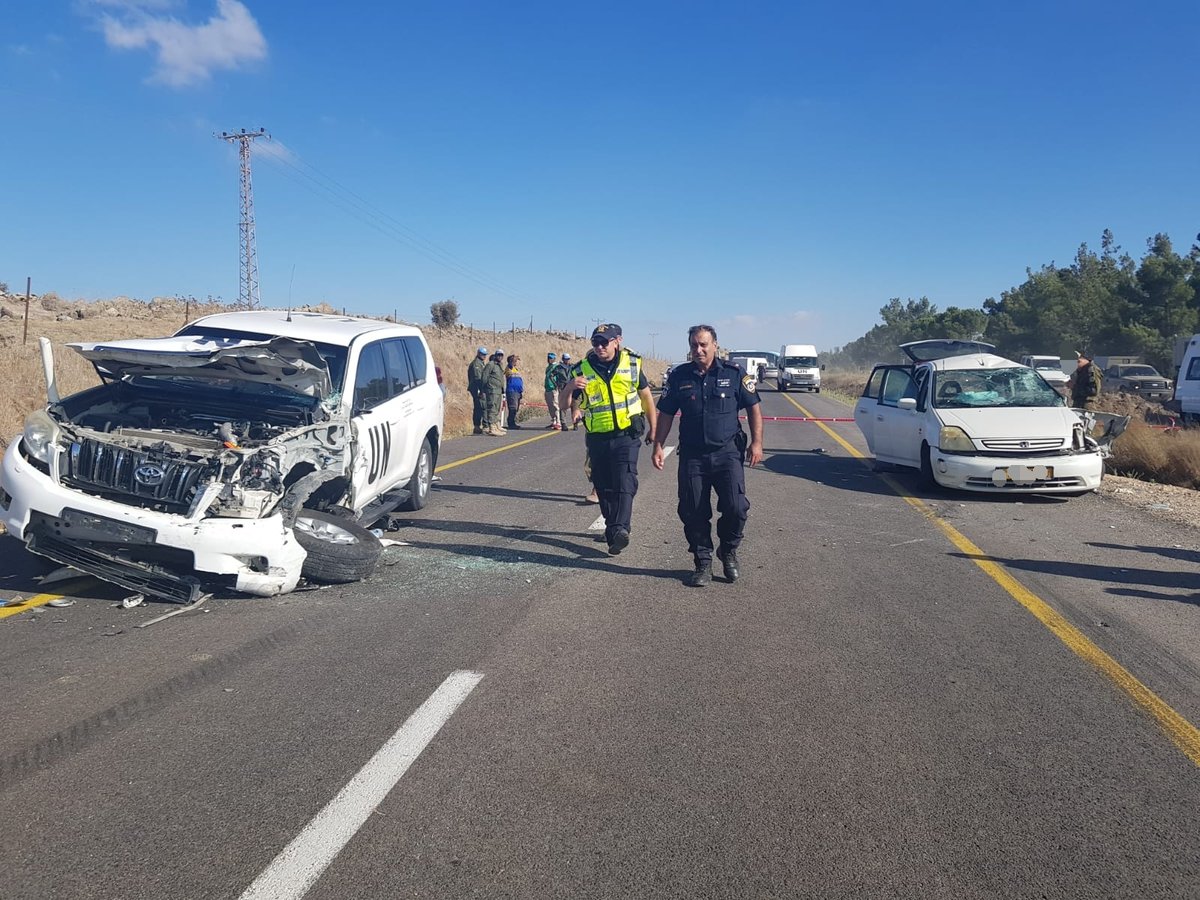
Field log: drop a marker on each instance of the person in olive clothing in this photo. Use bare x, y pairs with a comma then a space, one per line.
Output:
475, 389
492, 378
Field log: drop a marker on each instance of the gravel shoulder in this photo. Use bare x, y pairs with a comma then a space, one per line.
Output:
1179, 505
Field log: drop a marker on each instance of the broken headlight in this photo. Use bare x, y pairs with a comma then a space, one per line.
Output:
41, 435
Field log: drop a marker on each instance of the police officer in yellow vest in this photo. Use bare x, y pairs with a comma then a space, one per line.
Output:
611, 396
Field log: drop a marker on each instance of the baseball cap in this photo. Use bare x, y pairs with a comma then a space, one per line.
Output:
608, 331
498, 352
566, 356
482, 351
551, 356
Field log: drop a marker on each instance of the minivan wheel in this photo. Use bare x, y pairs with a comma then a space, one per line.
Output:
422, 479
340, 551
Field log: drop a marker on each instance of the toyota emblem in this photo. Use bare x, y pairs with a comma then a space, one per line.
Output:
149, 474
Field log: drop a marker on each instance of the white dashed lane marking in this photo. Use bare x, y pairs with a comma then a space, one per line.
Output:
301, 863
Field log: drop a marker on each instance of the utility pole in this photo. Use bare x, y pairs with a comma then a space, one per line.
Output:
653, 335
248, 287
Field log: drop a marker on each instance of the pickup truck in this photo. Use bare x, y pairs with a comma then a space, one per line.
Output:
1137, 378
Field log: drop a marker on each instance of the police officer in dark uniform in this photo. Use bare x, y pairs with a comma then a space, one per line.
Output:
611, 396
709, 393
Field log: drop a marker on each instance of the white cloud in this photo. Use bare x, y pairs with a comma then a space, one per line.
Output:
187, 54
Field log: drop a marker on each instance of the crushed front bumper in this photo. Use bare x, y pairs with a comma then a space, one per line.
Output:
1032, 474
163, 554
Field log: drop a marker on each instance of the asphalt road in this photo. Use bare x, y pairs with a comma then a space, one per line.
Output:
938, 696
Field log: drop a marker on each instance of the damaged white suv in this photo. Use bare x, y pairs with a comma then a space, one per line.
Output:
245, 451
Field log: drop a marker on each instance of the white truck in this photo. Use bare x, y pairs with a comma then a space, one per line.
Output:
798, 368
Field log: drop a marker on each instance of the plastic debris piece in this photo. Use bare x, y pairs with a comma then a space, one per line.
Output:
392, 542
15, 601
378, 532
132, 600
61, 602
174, 612
62, 573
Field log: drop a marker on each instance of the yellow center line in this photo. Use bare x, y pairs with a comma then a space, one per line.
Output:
463, 462
36, 601
1182, 733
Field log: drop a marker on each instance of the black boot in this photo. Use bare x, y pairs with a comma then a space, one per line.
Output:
729, 562
702, 575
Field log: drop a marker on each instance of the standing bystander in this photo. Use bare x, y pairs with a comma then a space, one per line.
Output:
551, 385
1085, 382
514, 389
475, 388
493, 393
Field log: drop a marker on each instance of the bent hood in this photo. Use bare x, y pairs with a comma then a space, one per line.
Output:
1013, 423
280, 362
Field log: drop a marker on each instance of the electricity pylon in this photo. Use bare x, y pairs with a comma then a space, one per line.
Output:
248, 288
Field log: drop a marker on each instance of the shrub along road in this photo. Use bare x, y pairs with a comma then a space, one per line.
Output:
906, 694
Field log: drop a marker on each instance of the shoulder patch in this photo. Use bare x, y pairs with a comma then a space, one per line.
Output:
748, 383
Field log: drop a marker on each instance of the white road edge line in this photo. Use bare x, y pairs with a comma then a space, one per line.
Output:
598, 525
301, 863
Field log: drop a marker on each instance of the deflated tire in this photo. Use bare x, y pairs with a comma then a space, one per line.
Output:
339, 551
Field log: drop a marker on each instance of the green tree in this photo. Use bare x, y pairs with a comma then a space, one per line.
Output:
444, 313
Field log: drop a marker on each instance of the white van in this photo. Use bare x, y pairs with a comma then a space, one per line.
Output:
1187, 384
798, 368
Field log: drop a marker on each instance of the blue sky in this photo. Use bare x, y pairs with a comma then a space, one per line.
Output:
778, 169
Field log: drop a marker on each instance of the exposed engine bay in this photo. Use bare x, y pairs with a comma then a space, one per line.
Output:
200, 448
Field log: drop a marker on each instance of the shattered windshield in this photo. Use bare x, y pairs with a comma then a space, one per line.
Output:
975, 388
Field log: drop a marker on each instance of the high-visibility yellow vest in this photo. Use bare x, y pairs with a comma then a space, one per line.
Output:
611, 405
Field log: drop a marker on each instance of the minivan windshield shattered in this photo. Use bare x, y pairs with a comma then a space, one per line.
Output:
976, 388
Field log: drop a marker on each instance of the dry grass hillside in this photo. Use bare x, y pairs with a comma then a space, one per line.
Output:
64, 321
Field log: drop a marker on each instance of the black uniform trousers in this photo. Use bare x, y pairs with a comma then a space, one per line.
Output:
615, 478
699, 475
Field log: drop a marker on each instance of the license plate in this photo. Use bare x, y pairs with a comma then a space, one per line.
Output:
1022, 474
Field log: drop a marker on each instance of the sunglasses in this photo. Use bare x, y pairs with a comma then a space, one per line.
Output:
600, 342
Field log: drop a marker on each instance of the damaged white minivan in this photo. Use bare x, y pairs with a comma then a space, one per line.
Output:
968, 419
249, 449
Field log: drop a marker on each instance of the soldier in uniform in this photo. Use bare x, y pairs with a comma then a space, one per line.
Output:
610, 395
475, 388
709, 393
493, 394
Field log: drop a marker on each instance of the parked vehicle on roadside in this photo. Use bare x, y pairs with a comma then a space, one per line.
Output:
1049, 367
770, 357
751, 365
1138, 378
799, 368
968, 419
245, 451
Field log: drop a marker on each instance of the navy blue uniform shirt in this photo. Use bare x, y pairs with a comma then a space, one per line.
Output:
709, 404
